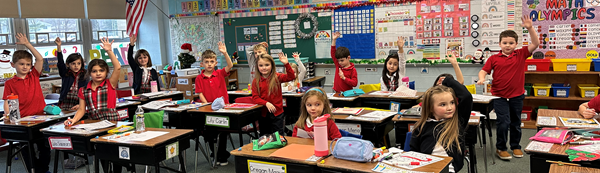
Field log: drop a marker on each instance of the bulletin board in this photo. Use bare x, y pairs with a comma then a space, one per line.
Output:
391, 23
276, 30
357, 27
568, 29
201, 32
443, 19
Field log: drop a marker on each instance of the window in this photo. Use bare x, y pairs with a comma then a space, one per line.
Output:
6, 36
112, 28
44, 31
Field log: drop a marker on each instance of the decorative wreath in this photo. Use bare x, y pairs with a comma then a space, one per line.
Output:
301, 34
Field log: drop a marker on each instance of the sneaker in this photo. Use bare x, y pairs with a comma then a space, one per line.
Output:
74, 162
223, 163
504, 155
517, 153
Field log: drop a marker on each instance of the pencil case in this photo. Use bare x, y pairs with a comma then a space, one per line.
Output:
120, 129
557, 136
52, 110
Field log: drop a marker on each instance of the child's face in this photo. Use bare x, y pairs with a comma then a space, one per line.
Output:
143, 60
23, 66
508, 45
98, 74
392, 65
260, 51
344, 62
314, 107
264, 66
443, 105
209, 64
75, 65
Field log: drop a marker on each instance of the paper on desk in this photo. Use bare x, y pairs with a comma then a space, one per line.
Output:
93, 126
473, 120
361, 118
302, 134
539, 146
547, 121
185, 107
144, 136
155, 105
379, 114
294, 152
381, 93
593, 148
411, 156
152, 94
477, 113
384, 168
229, 110
479, 97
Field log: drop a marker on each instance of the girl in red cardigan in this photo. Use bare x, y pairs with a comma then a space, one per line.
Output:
266, 90
315, 104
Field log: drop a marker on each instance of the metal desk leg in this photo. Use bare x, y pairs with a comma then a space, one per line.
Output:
157, 166
31, 156
9, 157
484, 139
216, 151
96, 165
182, 160
56, 158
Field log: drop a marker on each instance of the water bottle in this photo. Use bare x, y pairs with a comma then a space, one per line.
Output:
139, 119
406, 81
153, 86
13, 108
320, 134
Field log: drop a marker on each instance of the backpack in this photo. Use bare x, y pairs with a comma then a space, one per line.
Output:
353, 149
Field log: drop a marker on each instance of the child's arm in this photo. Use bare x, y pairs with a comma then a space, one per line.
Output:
62, 68
289, 75
199, 89
256, 98
223, 50
352, 79
114, 77
481, 75
535, 42
585, 110
39, 59
202, 98
465, 100
452, 58
132, 63
80, 112
336, 35
401, 58
301, 67
6, 107
422, 142
295, 132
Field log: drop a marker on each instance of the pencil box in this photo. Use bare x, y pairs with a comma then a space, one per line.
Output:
120, 129
269, 141
52, 110
552, 135
353, 92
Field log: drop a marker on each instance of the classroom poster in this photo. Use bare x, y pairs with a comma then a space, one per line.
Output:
357, 28
429, 48
442, 19
323, 44
456, 46
391, 23
567, 28
201, 32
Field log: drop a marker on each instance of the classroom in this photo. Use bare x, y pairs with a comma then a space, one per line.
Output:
300, 86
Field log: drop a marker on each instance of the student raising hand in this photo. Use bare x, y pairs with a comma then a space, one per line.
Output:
341, 74
400, 43
132, 39
283, 58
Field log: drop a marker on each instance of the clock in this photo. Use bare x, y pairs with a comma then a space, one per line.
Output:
474, 34
474, 25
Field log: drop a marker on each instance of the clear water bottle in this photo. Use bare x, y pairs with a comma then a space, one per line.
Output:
13, 108
139, 119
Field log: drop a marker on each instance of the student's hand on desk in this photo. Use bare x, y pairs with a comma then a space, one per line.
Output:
589, 113
75, 107
480, 82
311, 134
271, 107
69, 122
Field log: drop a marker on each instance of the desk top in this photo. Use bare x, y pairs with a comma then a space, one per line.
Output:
556, 149
473, 120
371, 95
264, 154
61, 128
556, 113
569, 169
316, 78
343, 117
63, 114
350, 166
127, 103
208, 109
173, 133
334, 96
239, 92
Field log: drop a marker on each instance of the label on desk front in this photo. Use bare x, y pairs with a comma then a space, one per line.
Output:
255, 166
123, 114
172, 150
531, 67
218, 121
60, 143
124, 153
351, 128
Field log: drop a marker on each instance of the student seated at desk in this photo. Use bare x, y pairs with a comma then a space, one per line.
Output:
315, 104
440, 129
210, 85
591, 108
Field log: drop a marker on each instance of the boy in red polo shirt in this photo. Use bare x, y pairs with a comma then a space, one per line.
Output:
210, 84
26, 85
345, 74
509, 79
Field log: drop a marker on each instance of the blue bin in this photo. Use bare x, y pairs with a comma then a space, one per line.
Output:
411, 85
596, 62
560, 90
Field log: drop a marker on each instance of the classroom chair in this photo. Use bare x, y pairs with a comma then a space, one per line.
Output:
407, 141
348, 134
153, 120
124, 93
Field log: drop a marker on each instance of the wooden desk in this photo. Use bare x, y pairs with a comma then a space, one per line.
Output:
174, 95
27, 133
555, 168
56, 88
237, 94
537, 159
333, 165
383, 101
80, 141
246, 155
341, 101
556, 113
375, 131
128, 106
150, 152
317, 81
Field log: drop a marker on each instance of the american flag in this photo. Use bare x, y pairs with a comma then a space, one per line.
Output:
135, 14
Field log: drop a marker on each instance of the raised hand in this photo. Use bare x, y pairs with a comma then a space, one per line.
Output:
450, 56
22, 39
526, 21
296, 55
265, 44
132, 39
57, 41
336, 35
283, 58
400, 42
106, 44
222, 48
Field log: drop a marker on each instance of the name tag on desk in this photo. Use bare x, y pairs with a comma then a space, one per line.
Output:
60, 143
256, 166
217, 121
123, 114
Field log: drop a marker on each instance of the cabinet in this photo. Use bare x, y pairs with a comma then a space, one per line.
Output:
565, 103
232, 80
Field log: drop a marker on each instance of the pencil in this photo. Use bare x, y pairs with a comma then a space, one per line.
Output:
562, 163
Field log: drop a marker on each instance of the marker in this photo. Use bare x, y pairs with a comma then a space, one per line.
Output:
585, 142
407, 163
68, 122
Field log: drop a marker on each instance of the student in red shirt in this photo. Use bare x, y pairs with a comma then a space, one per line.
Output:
509, 79
315, 104
26, 85
345, 73
213, 82
100, 96
591, 108
266, 90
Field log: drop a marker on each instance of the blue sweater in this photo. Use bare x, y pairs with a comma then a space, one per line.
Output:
67, 79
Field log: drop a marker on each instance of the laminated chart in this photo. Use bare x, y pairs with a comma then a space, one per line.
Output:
358, 30
392, 22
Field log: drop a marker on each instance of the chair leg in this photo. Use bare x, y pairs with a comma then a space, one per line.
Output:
231, 140
468, 165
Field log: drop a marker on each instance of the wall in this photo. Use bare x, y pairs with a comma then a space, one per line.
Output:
154, 37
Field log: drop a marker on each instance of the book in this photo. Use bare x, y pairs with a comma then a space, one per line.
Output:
579, 122
347, 111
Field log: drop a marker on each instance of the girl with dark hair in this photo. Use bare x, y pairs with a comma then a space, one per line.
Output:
141, 65
394, 68
73, 77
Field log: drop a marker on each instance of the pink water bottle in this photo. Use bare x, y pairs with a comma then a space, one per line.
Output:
153, 86
320, 134
405, 81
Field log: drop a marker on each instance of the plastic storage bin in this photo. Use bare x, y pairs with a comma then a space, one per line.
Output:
527, 89
588, 90
541, 89
596, 64
537, 65
526, 113
560, 90
472, 88
571, 64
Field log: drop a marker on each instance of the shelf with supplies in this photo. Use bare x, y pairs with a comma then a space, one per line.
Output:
232, 80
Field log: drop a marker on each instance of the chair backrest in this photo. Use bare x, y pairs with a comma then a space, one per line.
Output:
152, 119
53, 96
348, 134
124, 93
407, 141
